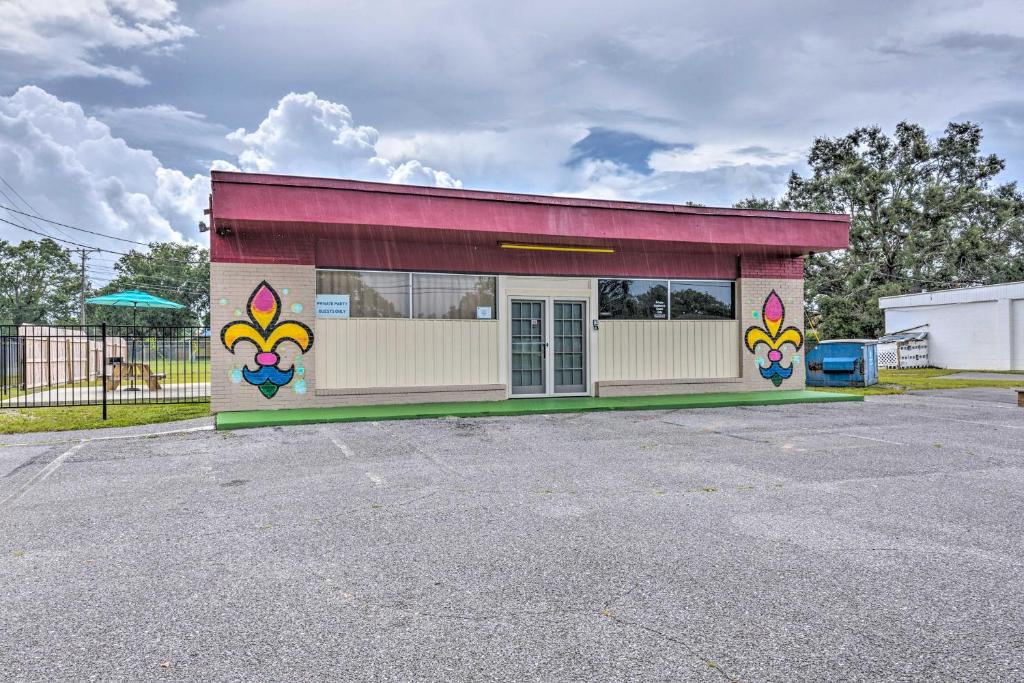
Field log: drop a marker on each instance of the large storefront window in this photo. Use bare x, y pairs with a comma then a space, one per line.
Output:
377, 294
371, 294
650, 300
702, 300
633, 299
453, 297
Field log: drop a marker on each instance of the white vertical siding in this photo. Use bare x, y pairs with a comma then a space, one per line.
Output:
965, 336
668, 349
1017, 333
381, 352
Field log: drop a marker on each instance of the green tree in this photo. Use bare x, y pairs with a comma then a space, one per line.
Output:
176, 272
925, 214
39, 283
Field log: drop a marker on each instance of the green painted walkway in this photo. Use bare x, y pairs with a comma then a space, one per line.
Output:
521, 406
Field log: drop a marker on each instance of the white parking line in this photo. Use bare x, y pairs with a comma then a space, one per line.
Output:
987, 424
42, 475
142, 435
345, 450
868, 438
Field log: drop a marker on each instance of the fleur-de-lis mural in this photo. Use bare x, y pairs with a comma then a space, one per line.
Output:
266, 333
773, 313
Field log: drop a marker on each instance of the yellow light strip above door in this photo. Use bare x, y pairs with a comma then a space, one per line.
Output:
551, 247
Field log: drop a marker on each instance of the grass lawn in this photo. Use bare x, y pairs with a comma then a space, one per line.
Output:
182, 371
25, 420
900, 381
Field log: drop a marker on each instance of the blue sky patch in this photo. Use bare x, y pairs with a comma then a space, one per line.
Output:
632, 150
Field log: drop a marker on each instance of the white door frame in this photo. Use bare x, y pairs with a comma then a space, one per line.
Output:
549, 353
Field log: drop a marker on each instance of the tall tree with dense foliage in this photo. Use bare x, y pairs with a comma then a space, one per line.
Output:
177, 272
39, 283
926, 214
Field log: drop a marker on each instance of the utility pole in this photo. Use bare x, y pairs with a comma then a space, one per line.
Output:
84, 254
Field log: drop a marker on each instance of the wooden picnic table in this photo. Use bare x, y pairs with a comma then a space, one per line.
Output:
131, 371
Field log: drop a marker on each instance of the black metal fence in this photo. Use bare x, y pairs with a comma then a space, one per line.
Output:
76, 365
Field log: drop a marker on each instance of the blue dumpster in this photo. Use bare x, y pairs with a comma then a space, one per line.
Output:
843, 363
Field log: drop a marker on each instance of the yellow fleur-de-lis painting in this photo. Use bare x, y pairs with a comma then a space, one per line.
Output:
773, 313
266, 333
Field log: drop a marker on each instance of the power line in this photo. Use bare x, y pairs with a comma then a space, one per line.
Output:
151, 276
25, 202
154, 277
86, 246
188, 285
165, 288
72, 227
194, 287
58, 239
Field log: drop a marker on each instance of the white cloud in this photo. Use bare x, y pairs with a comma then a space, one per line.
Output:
47, 39
521, 159
708, 157
164, 123
75, 168
71, 168
724, 184
306, 135
534, 160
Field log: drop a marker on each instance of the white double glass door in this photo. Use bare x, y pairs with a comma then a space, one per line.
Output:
548, 346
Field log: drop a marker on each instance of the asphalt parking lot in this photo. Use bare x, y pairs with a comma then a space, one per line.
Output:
853, 541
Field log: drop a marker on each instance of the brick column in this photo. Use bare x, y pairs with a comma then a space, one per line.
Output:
760, 276
231, 286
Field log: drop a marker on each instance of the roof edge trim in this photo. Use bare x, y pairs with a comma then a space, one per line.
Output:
264, 179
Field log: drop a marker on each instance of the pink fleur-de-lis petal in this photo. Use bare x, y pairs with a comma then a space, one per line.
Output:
773, 307
264, 305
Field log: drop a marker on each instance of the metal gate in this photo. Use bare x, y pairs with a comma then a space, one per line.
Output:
44, 366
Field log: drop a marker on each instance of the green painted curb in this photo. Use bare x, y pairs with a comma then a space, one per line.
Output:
524, 406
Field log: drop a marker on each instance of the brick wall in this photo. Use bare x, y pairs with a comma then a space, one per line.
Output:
770, 267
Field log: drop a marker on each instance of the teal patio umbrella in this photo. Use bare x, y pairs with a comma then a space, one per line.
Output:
135, 299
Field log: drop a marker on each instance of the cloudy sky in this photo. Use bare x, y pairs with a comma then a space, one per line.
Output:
112, 112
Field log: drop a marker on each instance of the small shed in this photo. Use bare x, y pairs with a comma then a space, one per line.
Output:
843, 363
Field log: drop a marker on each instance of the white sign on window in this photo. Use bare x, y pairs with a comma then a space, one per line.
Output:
483, 312
332, 305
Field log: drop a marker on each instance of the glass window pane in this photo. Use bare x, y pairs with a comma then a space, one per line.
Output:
702, 300
454, 297
372, 295
633, 299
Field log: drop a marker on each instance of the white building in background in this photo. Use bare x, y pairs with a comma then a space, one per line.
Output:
978, 328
